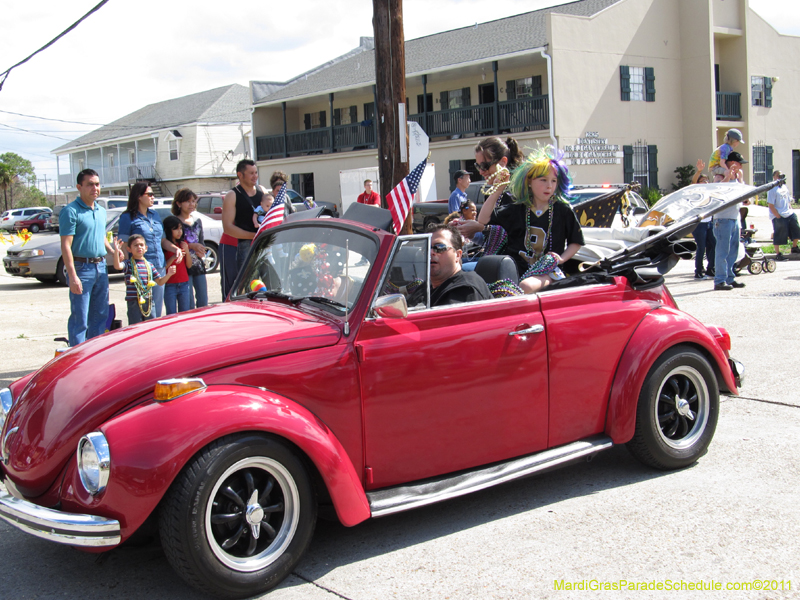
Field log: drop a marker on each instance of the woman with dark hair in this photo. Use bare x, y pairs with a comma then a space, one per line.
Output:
139, 217
183, 205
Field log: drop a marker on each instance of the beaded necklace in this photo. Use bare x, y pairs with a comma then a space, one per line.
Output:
531, 250
493, 187
144, 293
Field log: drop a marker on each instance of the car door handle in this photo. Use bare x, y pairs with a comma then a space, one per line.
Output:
534, 329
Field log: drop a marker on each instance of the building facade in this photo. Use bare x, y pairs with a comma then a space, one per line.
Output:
628, 89
194, 141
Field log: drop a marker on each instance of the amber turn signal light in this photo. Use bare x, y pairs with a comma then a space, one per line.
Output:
169, 389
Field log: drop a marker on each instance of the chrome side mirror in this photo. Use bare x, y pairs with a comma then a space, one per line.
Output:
393, 306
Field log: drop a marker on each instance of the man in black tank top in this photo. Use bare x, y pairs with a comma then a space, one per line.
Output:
238, 207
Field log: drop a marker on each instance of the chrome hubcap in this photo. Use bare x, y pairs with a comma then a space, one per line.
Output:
682, 406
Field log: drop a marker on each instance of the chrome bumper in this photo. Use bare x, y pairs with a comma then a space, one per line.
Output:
738, 371
61, 527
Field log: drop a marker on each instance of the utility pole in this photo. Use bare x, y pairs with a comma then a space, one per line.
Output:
390, 80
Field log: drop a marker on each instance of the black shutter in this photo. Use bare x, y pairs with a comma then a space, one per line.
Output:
650, 84
307, 121
420, 104
511, 89
627, 164
369, 110
296, 183
537, 85
322, 119
455, 165
465, 97
770, 168
353, 115
768, 92
625, 85
652, 167
337, 116
444, 100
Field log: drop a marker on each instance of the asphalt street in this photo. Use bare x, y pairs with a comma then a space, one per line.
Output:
732, 518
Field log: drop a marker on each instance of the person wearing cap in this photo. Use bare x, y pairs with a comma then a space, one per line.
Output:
718, 163
784, 219
459, 195
726, 231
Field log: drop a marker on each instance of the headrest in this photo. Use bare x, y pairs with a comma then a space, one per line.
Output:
302, 215
369, 215
496, 267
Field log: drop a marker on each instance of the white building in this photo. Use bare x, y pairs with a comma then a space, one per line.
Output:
194, 141
630, 89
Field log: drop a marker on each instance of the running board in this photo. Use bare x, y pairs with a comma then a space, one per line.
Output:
400, 498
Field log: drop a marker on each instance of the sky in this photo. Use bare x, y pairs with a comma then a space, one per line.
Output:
131, 54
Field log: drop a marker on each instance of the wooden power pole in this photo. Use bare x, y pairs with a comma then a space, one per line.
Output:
390, 80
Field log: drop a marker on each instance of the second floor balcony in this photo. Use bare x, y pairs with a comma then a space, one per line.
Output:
511, 116
729, 106
116, 175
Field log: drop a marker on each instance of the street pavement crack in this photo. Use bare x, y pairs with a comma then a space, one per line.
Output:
766, 401
322, 587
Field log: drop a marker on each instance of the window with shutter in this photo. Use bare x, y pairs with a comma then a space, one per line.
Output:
650, 84
353, 115
768, 92
627, 164
337, 116
465, 97
369, 110
652, 167
444, 100
511, 89
625, 83
536, 88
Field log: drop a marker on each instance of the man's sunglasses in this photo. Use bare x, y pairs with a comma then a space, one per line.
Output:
440, 248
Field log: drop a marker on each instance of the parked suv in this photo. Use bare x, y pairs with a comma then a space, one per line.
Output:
10, 217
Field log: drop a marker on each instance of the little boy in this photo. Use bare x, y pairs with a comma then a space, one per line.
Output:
718, 163
261, 212
139, 280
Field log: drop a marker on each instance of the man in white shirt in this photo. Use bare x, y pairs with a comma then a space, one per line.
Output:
784, 219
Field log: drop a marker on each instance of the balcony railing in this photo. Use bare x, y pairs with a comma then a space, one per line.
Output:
729, 106
514, 116
140, 171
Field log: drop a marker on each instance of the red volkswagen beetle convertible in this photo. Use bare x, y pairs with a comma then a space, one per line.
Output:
319, 385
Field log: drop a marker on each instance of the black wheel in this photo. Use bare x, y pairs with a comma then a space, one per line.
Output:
212, 257
737, 268
770, 265
239, 517
755, 268
677, 411
61, 272
34, 228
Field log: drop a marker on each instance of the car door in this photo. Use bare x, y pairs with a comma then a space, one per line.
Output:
452, 387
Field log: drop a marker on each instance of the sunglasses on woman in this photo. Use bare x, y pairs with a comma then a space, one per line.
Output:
484, 166
151, 194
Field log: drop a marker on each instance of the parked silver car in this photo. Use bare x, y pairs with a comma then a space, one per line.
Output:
9, 217
41, 256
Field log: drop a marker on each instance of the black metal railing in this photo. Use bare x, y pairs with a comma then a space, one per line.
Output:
729, 106
522, 114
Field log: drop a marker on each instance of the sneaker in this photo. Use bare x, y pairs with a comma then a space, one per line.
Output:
795, 250
722, 286
710, 272
779, 256
699, 276
737, 284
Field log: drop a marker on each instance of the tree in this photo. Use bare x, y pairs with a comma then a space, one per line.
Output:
18, 169
6, 180
684, 175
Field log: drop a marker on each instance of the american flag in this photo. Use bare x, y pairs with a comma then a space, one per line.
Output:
275, 213
401, 197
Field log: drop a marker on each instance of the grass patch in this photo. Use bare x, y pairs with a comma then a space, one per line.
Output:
770, 249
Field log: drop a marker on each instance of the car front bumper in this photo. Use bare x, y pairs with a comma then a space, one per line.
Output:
738, 371
42, 266
88, 531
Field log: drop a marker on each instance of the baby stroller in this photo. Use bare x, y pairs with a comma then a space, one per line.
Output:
754, 258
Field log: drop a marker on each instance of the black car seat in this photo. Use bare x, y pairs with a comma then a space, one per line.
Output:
496, 268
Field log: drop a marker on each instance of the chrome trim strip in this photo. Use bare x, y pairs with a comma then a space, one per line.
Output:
406, 497
57, 526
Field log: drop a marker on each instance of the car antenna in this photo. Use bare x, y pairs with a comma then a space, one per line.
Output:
346, 285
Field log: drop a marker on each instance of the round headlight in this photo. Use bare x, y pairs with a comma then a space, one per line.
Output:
6, 402
94, 462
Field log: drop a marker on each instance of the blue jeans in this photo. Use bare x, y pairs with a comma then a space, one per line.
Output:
135, 313
726, 231
88, 310
241, 253
706, 245
177, 293
158, 300
200, 286
227, 268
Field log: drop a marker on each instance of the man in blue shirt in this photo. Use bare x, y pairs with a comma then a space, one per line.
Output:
459, 194
82, 225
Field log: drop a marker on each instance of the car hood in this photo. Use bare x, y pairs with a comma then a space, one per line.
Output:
77, 392
41, 241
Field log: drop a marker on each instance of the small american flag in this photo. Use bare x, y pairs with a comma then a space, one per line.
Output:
275, 213
401, 197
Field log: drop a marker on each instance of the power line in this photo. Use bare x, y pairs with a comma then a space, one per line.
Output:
6, 73
35, 132
8, 112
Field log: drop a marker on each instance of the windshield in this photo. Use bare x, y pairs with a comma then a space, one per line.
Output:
325, 265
